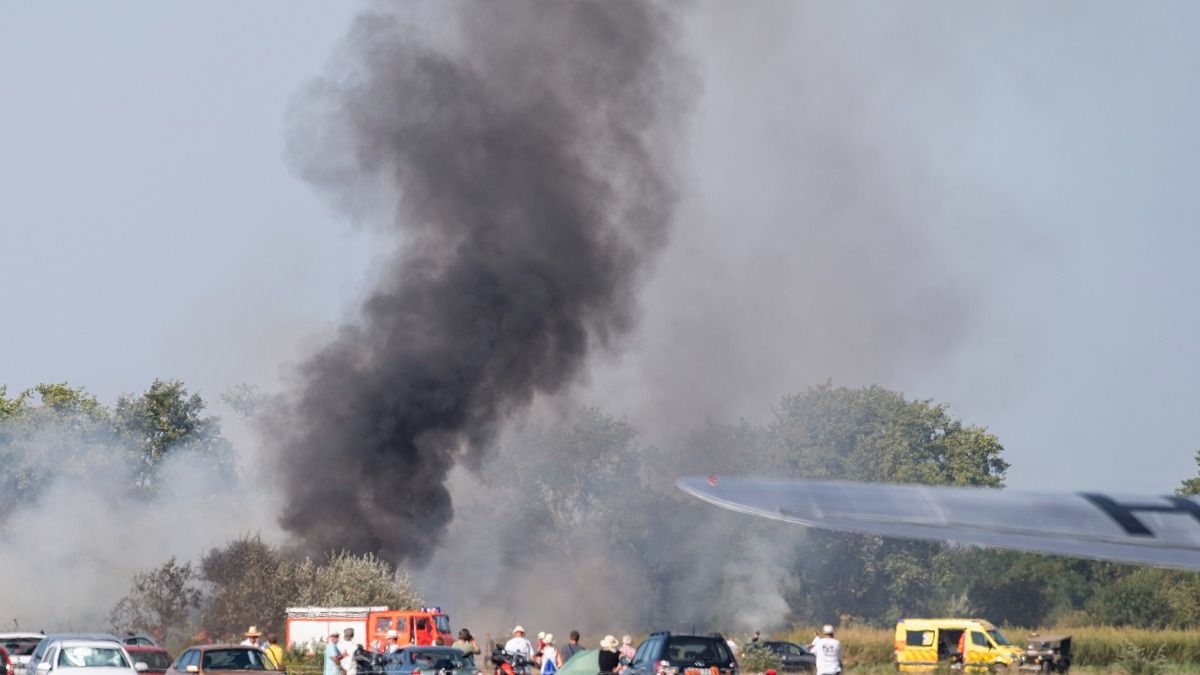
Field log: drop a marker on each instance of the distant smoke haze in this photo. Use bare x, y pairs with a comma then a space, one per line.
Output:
523, 177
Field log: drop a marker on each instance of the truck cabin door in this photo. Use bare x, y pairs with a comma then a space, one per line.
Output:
377, 631
980, 650
423, 627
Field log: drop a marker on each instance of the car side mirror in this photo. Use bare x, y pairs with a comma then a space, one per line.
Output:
43, 667
193, 668
141, 666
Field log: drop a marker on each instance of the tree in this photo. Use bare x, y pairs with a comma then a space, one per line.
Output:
249, 583
864, 434
1191, 486
347, 580
165, 419
47, 431
161, 602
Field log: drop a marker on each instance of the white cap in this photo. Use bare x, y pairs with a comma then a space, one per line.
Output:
518, 629
827, 629
393, 633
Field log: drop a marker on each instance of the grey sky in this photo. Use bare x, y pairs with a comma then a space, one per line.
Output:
1030, 170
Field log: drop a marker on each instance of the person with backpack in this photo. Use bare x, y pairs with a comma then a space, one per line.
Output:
551, 661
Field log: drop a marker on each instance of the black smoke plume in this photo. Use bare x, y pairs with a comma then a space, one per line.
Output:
523, 174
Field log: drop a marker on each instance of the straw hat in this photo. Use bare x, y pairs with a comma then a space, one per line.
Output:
549, 639
252, 631
610, 643
519, 629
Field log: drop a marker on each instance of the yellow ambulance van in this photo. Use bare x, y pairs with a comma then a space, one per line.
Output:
924, 644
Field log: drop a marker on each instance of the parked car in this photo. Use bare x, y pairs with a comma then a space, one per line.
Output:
39, 650
422, 660
87, 657
19, 646
220, 658
157, 659
1047, 653
667, 654
139, 640
792, 657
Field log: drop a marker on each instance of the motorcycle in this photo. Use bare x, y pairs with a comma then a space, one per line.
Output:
510, 664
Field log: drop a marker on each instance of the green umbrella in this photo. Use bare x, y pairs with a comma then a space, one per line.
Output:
583, 663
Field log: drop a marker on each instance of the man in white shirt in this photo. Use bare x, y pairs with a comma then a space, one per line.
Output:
349, 648
517, 644
252, 636
828, 651
393, 641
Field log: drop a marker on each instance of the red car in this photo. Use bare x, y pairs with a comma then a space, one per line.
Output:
157, 659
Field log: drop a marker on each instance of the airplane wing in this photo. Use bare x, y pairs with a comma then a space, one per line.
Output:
1157, 531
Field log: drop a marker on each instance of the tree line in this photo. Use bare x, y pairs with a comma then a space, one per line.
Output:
585, 486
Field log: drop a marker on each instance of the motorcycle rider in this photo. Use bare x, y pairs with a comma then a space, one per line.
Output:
518, 645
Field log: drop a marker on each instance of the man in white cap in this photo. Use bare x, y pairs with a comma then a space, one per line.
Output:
393, 641
517, 644
828, 651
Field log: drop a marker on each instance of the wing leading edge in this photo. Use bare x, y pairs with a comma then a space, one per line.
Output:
1158, 531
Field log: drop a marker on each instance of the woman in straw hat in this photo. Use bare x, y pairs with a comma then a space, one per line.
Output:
608, 659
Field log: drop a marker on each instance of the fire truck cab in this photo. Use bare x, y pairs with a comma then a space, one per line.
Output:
416, 627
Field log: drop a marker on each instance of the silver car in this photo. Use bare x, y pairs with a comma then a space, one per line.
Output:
87, 657
19, 647
39, 652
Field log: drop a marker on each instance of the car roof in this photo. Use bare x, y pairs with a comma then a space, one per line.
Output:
144, 648
430, 648
88, 643
951, 624
80, 636
11, 636
223, 645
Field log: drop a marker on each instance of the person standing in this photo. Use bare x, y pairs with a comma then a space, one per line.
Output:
274, 651
467, 645
627, 650
517, 644
350, 649
828, 651
571, 648
252, 635
608, 659
551, 660
333, 655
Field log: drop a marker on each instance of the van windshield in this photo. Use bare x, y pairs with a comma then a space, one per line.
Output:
999, 638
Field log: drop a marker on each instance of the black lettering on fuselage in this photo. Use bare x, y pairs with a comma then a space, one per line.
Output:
1124, 516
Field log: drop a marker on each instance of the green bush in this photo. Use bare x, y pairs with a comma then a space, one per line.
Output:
756, 658
1135, 660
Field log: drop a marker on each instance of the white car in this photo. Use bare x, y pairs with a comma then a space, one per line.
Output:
87, 657
20, 646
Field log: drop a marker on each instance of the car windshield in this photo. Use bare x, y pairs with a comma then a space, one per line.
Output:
234, 659
91, 657
442, 622
153, 660
999, 637
697, 649
438, 660
21, 646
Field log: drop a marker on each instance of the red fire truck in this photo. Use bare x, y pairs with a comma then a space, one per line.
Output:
309, 626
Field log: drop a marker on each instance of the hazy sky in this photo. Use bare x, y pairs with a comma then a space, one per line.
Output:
989, 206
